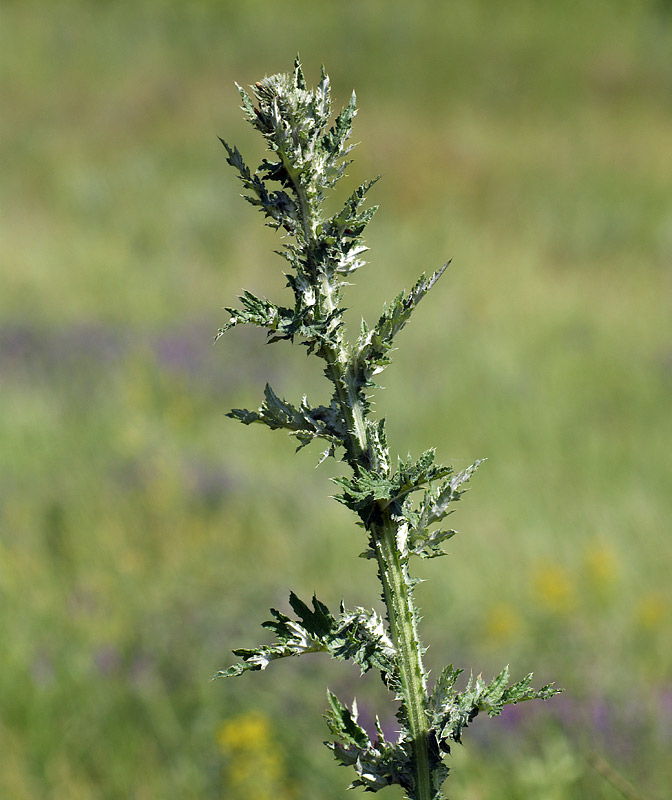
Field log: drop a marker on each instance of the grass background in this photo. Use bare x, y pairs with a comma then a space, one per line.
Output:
143, 535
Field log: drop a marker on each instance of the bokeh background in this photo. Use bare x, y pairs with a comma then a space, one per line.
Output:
144, 534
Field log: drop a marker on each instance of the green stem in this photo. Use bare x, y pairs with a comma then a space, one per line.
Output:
396, 585
396, 591
403, 627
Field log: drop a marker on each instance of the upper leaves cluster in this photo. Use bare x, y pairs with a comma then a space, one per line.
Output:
309, 157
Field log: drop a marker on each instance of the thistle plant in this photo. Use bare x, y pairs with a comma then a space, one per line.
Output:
400, 506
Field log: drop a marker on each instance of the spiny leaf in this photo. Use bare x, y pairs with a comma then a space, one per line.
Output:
413, 475
334, 142
422, 541
443, 686
375, 344
368, 488
434, 506
452, 712
321, 105
319, 622
299, 79
278, 205
343, 723
349, 221
357, 635
378, 447
377, 764
260, 312
304, 423
361, 491
427, 544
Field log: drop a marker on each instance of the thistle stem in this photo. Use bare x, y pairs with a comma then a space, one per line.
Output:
402, 619
399, 603
401, 613
325, 251
403, 627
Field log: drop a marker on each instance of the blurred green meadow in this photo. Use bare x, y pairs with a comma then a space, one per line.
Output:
144, 534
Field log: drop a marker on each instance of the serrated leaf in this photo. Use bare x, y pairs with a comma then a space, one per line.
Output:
321, 105
373, 347
379, 449
261, 313
334, 142
361, 636
452, 712
304, 423
362, 491
434, 507
427, 544
299, 79
377, 764
414, 475
441, 693
357, 635
350, 221
277, 205
367, 488
343, 723
319, 622
436, 501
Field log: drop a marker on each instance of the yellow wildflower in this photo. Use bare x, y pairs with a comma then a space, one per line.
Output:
601, 566
502, 623
553, 588
652, 611
254, 765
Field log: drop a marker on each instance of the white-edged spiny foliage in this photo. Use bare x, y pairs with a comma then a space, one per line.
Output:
397, 505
